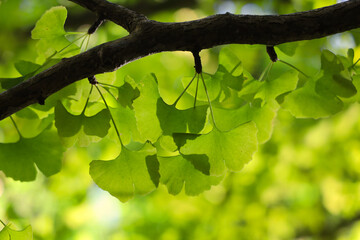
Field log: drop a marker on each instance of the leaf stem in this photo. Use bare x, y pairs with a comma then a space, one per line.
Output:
108, 85
208, 98
87, 43
264, 74
2, 223
197, 85
352, 66
16, 127
176, 101
290, 65
87, 100
108, 91
236, 66
111, 117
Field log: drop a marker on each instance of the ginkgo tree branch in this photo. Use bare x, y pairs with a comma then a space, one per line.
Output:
148, 37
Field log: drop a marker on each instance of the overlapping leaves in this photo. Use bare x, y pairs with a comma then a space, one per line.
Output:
188, 149
8, 233
322, 96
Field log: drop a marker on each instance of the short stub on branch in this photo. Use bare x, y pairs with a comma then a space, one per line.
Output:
92, 80
197, 59
96, 25
272, 54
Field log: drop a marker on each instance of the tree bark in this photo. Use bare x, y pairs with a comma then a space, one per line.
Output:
148, 37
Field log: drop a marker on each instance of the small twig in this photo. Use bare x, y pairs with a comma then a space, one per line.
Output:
96, 25
272, 54
197, 59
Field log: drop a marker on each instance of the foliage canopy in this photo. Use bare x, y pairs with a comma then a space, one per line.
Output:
140, 130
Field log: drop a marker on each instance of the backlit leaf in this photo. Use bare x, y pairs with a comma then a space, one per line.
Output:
17, 159
231, 149
51, 24
126, 175
180, 170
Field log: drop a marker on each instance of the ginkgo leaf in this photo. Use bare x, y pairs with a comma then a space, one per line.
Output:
262, 114
180, 170
231, 149
212, 84
51, 24
71, 126
173, 120
126, 123
132, 172
68, 125
9, 234
17, 159
305, 102
26, 67
330, 63
230, 61
288, 48
127, 94
7, 83
275, 87
335, 84
145, 109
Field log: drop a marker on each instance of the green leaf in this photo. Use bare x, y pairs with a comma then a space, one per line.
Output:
232, 149
126, 123
288, 48
51, 24
9, 234
71, 126
335, 84
26, 67
7, 83
275, 87
184, 170
173, 120
17, 159
262, 115
145, 109
230, 61
126, 175
305, 102
212, 84
330, 63
127, 94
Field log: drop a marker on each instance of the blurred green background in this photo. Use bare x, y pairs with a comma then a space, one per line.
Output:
302, 184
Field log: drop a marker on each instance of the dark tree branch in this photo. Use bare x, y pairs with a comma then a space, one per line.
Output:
149, 37
120, 15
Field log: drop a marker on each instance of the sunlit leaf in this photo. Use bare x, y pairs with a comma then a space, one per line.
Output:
17, 159
336, 84
71, 126
305, 102
51, 24
231, 149
288, 48
173, 120
191, 171
9, 234
145, 109
26, 67
126, 175
275, 87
